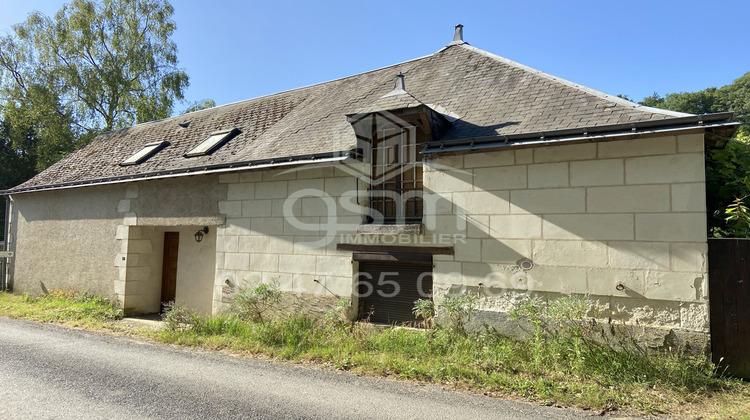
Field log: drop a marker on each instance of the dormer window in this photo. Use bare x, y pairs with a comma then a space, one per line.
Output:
212, 143
396, 176
145, 153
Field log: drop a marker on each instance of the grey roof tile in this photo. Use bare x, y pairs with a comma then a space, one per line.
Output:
490, 94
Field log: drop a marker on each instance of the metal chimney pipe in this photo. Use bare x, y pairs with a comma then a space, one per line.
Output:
458, 34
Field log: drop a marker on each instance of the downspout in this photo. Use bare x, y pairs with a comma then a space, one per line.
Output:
6, 232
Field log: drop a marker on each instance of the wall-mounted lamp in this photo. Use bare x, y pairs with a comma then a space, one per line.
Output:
199, 234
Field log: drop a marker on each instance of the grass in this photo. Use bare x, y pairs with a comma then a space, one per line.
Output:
559, 365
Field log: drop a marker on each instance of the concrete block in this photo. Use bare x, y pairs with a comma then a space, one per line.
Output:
281, 244
130, 219
524, 156
313, 172
477, 226
283, 174
499, 178
690, 257
443, 162
558, 200
597, 172
305, 283
570, 253
507, 251
690, 143
269, 226
689, 197
564, 280
251, 176
687, 167
447, 225
236, 261
229, 178
688, 227
334, 266
267, 190
227, 243
636, 199
489, 159
297, 263
449, 181
684, 287
482, 202
307, 184
469, 250
639, 255
244, 191
438, 203
520, 226
230, 208
253, 244
339, 287
310, 245
608, 282
638, 147
264, 262
237, 226
565, 153
548, 175
122, 232
588, 226
336, 187
447, 273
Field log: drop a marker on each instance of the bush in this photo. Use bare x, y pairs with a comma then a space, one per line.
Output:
251, 304
178, 317
425, 309
458, 311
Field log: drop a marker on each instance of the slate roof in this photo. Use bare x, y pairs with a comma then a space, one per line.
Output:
491, 96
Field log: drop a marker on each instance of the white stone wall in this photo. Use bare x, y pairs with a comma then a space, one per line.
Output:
621, 221
283, 225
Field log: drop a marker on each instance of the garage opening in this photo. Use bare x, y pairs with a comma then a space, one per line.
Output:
387, 289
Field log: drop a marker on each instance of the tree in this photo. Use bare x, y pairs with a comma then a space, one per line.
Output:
727, 169
199, 105
95, 66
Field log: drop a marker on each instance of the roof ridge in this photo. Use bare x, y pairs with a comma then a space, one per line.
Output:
568, 83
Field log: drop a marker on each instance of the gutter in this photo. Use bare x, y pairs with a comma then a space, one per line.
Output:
585, 134
210, 169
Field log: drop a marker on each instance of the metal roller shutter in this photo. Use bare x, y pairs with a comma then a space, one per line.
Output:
378, 282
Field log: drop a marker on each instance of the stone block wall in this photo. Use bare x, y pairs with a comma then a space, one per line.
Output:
621, 221
283, 225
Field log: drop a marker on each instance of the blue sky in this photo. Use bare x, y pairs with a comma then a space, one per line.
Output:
241, 49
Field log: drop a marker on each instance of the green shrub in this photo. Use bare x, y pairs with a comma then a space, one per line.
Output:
425, 309
253, 303
458, 311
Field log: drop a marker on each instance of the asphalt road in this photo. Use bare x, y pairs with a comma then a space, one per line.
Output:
49, 372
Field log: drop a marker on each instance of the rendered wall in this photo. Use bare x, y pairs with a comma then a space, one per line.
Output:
108, 240
66, 240
621, 221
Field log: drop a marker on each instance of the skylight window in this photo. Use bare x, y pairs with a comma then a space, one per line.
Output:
212, 143
145, 153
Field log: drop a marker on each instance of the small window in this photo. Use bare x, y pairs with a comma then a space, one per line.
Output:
145, 153
212, 143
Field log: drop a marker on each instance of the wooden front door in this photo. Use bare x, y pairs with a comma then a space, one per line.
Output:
169, 268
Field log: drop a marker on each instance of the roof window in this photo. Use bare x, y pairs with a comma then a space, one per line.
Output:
213, 142
145, 153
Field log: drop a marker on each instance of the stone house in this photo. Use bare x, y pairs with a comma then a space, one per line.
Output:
458, 172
